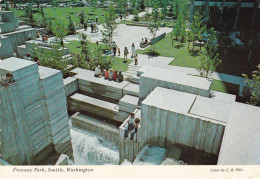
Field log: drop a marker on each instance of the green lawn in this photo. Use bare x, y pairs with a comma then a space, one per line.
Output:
117, 63
234, 62
183, 57
74, 46
225, 87
62, 13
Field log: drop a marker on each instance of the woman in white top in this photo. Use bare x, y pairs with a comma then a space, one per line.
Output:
97, 71
133, 50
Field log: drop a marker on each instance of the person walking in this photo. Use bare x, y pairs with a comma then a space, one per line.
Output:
97, 19
86, 26
114, 48
118, 52
126, 52
133, 50
136, 59
92, 27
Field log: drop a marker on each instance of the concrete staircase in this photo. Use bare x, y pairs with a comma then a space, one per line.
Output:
132, 73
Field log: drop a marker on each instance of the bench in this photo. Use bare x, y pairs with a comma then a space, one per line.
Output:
158, 38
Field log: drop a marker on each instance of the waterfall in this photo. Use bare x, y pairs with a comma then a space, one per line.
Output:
90, 149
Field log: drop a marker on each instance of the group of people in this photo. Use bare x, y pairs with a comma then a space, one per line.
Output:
144, 41
93, 26
109, 74
7, 79
126, 52
131, 126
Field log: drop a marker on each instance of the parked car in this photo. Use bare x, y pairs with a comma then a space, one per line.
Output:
77, 5
62, 5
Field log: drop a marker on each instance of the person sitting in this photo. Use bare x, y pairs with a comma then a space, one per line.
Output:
146, 40
120, 77
142, 42
136, 123
28, 57
130, 125
97, 71
29, 36
7, 79
115, 75
14, 54
106, 74
111, 74
36, 59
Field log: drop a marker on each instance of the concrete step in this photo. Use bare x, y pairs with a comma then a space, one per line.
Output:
103, 109
129, 103
22, 51
96, 125
131, 89
135, 79
23, 27
134, 66
131, 72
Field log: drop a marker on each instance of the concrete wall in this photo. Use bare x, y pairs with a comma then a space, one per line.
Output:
164, 128
34, 103
16, 145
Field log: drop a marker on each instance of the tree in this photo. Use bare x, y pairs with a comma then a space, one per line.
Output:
85, 46
60, 31
225, 40
82, 17
254, 85
71, 27
180, 28
99, 58
155, 26
109, 27
250, 39
49, 27
29, 14
197, 28
210, 57
52, 58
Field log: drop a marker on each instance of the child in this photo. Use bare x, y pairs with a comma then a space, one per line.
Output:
136, 59
118, 51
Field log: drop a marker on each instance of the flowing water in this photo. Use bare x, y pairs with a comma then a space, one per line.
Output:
90, 149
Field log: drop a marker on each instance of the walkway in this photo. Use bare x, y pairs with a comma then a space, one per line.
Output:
163, 62
126, 35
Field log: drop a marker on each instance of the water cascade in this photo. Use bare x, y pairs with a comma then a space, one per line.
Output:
90, 149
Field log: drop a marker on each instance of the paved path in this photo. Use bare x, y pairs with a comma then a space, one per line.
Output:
163, 62
126, 35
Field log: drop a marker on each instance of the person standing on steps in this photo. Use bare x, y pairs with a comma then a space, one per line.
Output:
126, 52
136, 59
133, 50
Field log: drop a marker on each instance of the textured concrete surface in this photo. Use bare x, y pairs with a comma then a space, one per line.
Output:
170, 100
241, 141
212, 109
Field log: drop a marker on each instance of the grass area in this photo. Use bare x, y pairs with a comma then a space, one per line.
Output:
74, 46
117, 63
225, 87
61, 13
167, 22
183, 56
233, 62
